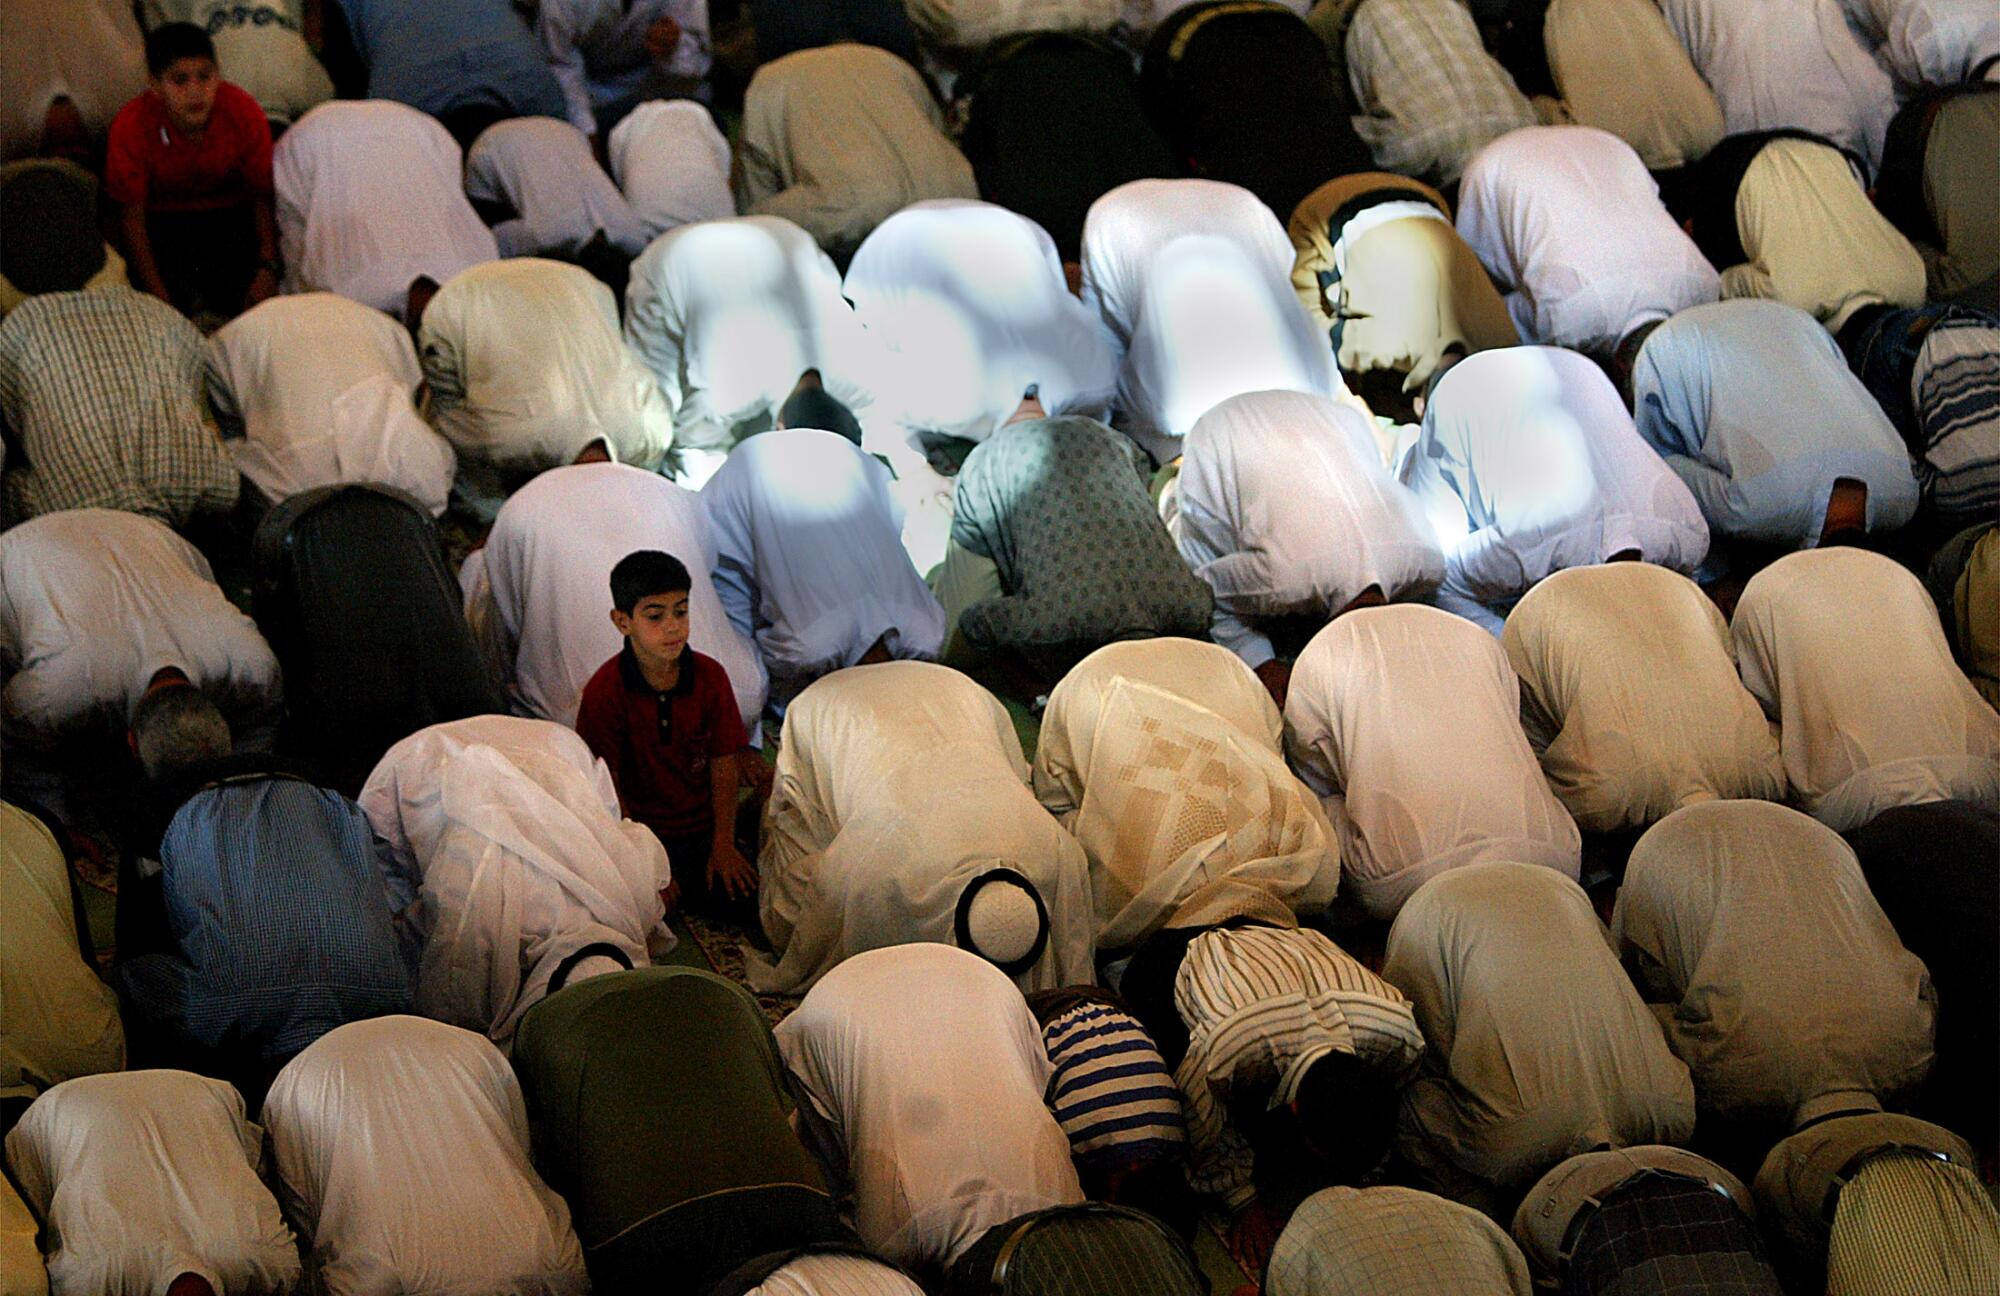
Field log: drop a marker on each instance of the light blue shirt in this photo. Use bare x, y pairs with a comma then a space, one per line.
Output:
437, 55
1752, 404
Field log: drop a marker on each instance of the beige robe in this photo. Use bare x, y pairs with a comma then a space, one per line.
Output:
1162, 757
1620, 69
1780, 981
1630, 696
61, 1018
1539, 1046
837, 139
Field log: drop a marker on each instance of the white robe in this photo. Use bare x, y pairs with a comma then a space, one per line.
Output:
511, 829
538, 595
369, 197
88, 51
972, 26
970, 303
1788, 63
544, 170
1631, 698
673, 165
322, 389
1535, 206
1528, 463
141, 1176
932, 1070
898, 785
809, 561
402, 1155
1193, 280
727, 314
1844, 650
1931, 42
527, 368
93, 602
1284, 508
1406, 720
1162, 756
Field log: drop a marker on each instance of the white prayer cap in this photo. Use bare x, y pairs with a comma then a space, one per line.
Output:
1002, 919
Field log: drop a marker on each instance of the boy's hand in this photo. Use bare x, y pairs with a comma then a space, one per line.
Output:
730, 873
756, 774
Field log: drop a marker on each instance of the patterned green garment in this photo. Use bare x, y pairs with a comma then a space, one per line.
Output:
1059, 505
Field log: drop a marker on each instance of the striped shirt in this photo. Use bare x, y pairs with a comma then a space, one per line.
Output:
1262, 1005
1111, 1092
102, 392
1955, 386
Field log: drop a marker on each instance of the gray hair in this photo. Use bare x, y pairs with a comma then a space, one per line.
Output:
178, 727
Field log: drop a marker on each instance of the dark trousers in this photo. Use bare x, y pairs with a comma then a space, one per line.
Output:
207, 258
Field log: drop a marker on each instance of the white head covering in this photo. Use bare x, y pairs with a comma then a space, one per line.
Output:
1285, 508
512, 829
370, 196
970, 302
672, 163
858, 853
1406, 719
1791, 995
402, 1152
1193, 280
1844, 650
1630, 695
929, 1029
142, 1176
1528, 463
542, 583
1161, 755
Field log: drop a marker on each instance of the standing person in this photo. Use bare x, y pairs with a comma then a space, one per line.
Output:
189, 165
661, 716
608, 55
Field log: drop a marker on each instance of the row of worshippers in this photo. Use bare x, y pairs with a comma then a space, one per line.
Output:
1501, 1048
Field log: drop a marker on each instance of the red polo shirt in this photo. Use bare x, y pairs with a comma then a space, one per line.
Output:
659, 744
148, 161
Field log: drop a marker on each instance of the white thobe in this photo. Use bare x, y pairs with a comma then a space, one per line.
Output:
538, 596
93, 602
1407, 721
970, 303
1781, 982
369, 197
1931, 42
1284, 508
1844, 651
1535, 205
321, 388
1193, 280
727, 314
932, 1070
527, 368
141, 1176
87, 51
1630, 695
836, 1274
673, 165
543, 169
1788, 63
1528, 463
1162, 756
897, 786
401, 1147
512, 831
809, 558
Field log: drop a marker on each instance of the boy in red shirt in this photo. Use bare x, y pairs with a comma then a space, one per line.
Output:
189, 164
664, 718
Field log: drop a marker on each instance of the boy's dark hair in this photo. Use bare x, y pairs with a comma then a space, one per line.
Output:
168, 43
644, 574
812, 407
1347, 1107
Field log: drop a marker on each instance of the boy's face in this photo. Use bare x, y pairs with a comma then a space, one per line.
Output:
657, 626
188, 87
